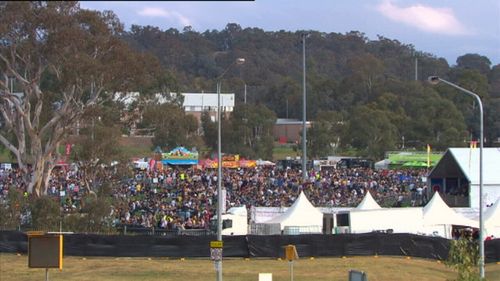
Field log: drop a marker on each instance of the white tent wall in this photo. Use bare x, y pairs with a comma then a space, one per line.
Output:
442, 230
492, 220
490, 194
400, 220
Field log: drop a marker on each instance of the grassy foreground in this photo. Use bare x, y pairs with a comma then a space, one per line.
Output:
14, 267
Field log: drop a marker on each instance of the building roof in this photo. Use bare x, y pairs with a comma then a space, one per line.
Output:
467, 160
287, 121
207, 99
190, 99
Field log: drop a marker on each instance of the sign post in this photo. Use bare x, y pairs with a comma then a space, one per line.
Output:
45, 251
216, 253
291, 255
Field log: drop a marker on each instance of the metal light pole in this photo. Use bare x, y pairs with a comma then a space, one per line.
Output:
245, 93
304, 137
435, 80
218, 263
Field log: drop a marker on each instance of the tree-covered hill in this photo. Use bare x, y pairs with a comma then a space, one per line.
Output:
362, 92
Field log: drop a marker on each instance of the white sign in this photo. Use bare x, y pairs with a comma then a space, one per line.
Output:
265, 277
224, 193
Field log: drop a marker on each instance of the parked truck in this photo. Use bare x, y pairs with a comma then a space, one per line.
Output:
234, 222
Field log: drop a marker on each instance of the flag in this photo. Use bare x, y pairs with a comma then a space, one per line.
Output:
473, 144
428, 155
68, 149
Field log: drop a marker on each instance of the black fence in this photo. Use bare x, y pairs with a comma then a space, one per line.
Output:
140, 230
272, 246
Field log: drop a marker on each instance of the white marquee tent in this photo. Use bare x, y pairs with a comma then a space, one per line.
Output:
368, 203
302, 215
438, 218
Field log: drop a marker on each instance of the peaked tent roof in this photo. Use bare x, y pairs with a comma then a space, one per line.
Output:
382, 164
368, 203
492, 215
436, 212
467, 160
301, 213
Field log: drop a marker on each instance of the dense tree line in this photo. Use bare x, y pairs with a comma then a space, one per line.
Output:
73, 65
361, 93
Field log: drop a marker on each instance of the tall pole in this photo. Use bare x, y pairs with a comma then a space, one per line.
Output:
245, 93
286, 108
304, 136
435, 80
218, 263
481, 218
416, 68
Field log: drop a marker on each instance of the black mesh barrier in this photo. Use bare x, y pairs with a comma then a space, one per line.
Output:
492, 250
264, 246
312, 245
13, 242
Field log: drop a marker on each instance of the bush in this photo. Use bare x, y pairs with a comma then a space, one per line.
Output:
45, 214
11, 210
464, 258
94, 217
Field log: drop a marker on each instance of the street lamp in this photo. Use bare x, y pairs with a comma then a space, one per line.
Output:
304, 131
435, 80
218, 263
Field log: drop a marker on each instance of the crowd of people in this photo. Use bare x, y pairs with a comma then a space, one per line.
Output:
185, 198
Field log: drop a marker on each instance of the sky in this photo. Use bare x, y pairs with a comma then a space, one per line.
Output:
445, 28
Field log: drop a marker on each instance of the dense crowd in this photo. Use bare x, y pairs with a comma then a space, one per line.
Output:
185, 198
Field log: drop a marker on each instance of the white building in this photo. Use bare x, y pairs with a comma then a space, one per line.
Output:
456, 176
196, 103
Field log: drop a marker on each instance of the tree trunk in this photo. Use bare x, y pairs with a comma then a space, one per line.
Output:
46, 175
36, 179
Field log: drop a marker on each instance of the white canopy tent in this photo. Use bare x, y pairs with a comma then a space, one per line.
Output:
302, 215
382, 164
261, 162
368, 203
438, 218
492, 220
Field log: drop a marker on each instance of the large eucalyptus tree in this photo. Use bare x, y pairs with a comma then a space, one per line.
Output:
62, 59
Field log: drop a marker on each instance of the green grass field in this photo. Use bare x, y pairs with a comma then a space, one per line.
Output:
5, 156
14, 267
284, 151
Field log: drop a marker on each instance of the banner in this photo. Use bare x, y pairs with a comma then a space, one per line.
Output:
68, 149
248, 163
213, 164
180, 156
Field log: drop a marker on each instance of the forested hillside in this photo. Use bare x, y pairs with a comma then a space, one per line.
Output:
361, 92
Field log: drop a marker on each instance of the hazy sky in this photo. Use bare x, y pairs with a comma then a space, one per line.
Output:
445, 28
